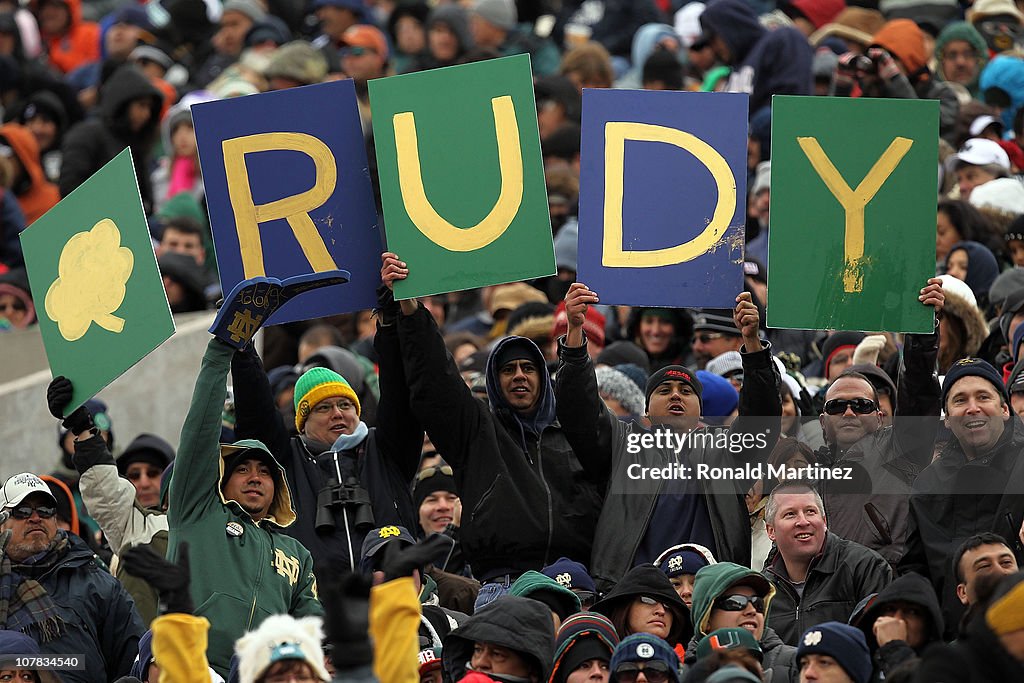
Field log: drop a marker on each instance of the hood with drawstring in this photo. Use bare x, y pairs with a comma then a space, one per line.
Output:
544, 410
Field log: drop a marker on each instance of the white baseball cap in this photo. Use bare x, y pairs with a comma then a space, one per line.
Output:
981, 152
19, 487
982, 122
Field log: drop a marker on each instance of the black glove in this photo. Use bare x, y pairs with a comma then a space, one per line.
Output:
171, 580
346, 601
399, 561
58, 396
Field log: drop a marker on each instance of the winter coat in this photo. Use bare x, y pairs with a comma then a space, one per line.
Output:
602, 440
519, 624
242, 571
110, 500
954, 499
839, 577
765, 63
93, 142
511, 472
100, 621
383, 463
913, 589
613, 23
12, 222
78, 45
36, 195
779, 658
714, 581
886, 462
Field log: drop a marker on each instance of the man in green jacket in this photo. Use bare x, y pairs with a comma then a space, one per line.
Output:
230, 502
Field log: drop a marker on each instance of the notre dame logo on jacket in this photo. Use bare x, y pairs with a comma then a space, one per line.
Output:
289, 567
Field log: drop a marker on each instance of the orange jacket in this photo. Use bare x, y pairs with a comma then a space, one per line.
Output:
40, 195
79, 45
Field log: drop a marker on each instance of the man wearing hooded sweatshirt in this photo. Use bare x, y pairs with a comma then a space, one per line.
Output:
903, 620
527, 499
232, 503
335, 447
655, 513
129, 115
765, 63
510, 641
70, 42
726, 595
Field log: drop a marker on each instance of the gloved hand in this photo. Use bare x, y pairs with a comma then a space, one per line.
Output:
171, 580
867, 350
399, 561
58, 396
346, 600
845, 76
887, 66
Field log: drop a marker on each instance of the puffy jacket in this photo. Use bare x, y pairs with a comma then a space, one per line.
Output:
913, 589
511, 472
838, 578
886, 462
602, 440
36, 195
100, 620
78, 45
242, 571
955, 498
384, 463
110, 499
765, 63
92, 143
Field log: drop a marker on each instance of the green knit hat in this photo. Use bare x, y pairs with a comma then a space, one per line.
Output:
557, 597
315, 385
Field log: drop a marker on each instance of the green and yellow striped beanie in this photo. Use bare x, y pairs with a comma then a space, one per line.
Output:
315, 385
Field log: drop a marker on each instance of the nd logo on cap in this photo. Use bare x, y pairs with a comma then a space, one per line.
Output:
388, 531
812, 638
645, 650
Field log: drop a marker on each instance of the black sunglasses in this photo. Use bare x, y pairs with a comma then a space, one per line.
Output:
738, 603
25, 511
655, 672
861, 406
708, 337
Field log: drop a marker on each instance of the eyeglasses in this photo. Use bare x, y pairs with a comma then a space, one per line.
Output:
151, 473
738, 603
954, 56
25, 511
356, 51
326, 407
428, 472
648, 600
861, 406
707, 337
655, 672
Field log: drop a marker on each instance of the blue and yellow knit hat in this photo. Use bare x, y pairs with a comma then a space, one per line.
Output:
315, 385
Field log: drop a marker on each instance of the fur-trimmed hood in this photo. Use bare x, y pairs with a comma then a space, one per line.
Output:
975, 326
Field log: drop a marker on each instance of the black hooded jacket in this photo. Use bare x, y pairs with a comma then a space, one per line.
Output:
92, 143
765, 63
526, 498
646, 579
913, 589
520, 624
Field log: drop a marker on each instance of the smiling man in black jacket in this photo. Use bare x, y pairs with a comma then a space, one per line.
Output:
527, 499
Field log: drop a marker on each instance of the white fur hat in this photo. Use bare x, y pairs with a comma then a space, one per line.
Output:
280, 638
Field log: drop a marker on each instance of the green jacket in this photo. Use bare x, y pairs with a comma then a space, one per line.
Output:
242, 572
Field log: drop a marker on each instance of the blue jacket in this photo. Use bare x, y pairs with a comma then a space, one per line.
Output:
101, 624
765, 62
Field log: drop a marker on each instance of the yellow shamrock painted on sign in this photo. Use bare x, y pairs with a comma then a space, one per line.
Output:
90, 284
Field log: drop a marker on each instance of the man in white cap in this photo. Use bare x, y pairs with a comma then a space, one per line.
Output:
56, 593
979, 161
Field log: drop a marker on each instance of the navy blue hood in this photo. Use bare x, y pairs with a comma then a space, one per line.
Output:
735, 21
145, 656
545, 412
